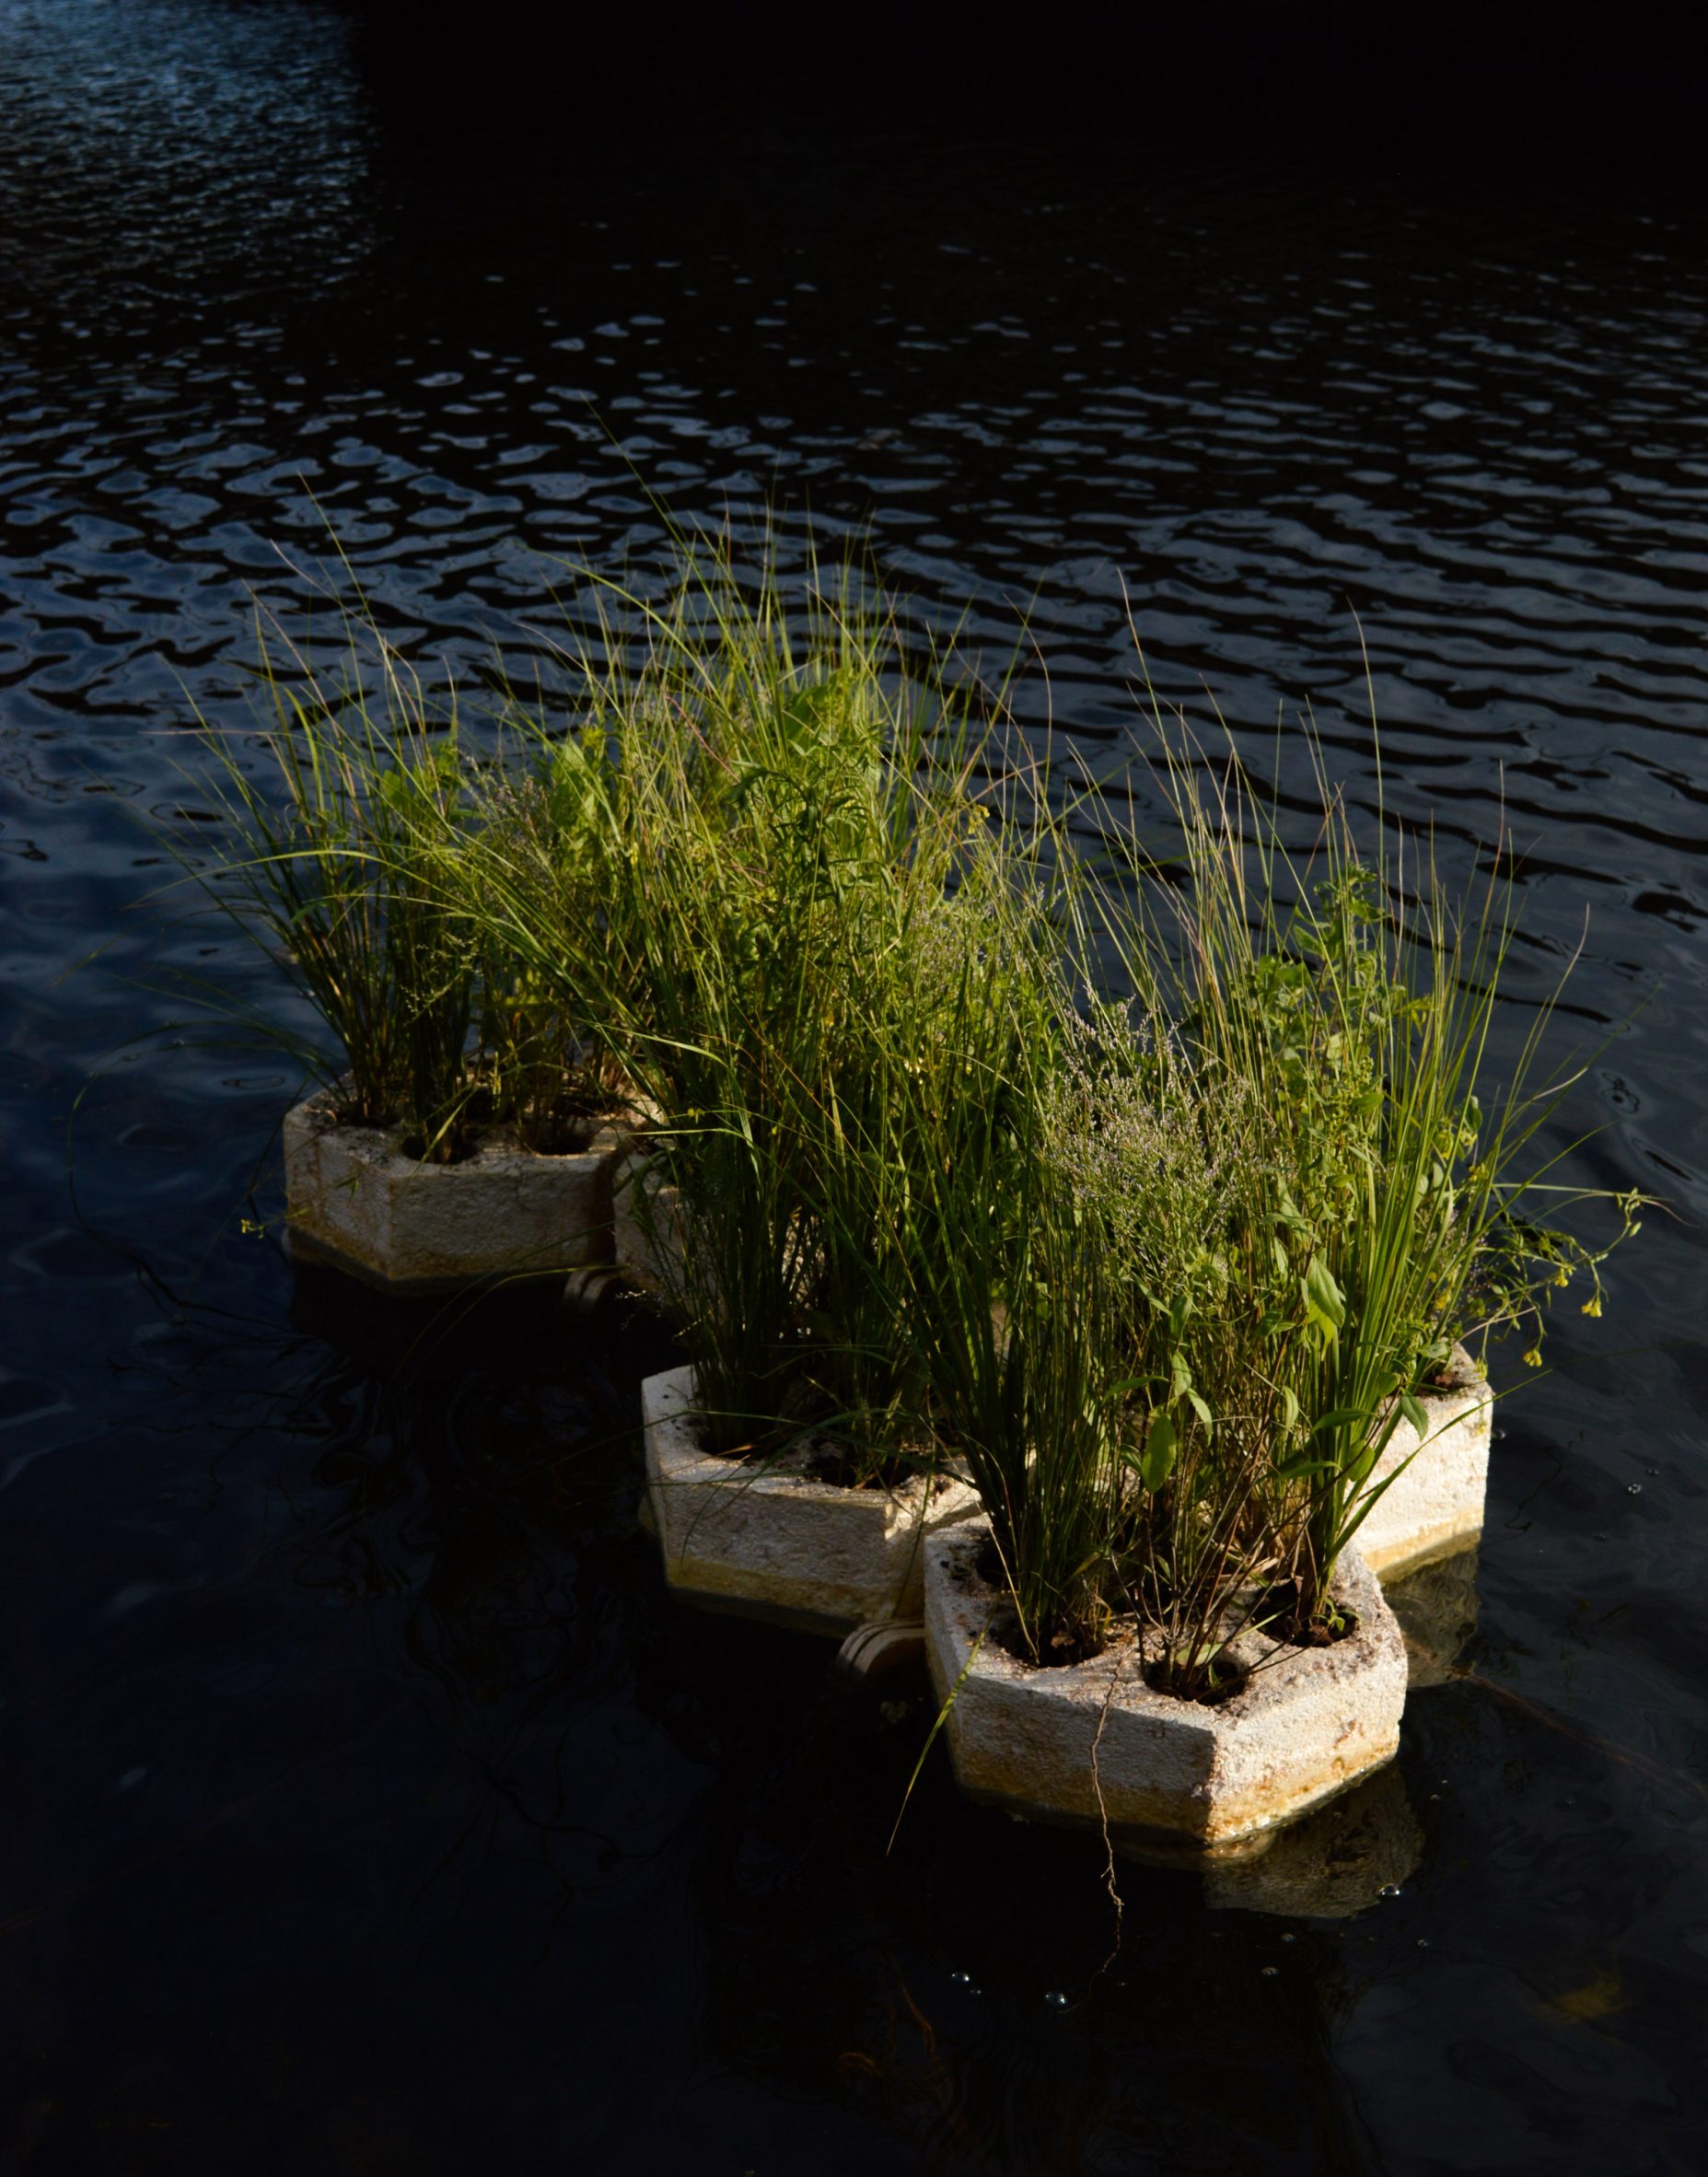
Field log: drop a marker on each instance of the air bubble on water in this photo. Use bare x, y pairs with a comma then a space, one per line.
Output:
1423, 1943
1390, 1889
1289, 1938
1056, 2000
1651, 1469
1269, 1971
961, 1980
1633, 1489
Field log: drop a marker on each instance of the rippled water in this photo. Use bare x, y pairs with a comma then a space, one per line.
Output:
365, 1804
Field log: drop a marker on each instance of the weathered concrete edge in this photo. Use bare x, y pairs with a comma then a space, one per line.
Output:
779, 1546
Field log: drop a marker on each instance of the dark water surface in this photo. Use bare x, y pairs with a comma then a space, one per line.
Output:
363, 1805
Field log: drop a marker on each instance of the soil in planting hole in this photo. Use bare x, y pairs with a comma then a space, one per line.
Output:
563, 1133
1280, 1615
793, 1445
456, 1148
565, 1126
327, 1117
1208, 1685
814, 1459
1062, 1644
736, 1455
827, 1460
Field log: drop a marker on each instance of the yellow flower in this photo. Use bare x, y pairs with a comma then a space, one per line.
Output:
1592, 1305
1533, 1359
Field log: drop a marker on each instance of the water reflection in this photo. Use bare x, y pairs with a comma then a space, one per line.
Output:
168, 155
1436, 1606
1335, 1863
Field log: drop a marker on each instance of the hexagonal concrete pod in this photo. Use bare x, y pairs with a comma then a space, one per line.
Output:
1091, 1742
356, 1200
1435, 1505
774, 1543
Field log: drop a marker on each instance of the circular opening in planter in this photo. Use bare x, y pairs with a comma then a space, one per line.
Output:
1060, 1652
454, 1148
1064, 1647
803, 1454
1208, 1685
1278, 1614
827, 1460
562, 1133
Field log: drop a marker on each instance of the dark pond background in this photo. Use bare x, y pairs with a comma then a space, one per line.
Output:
363, 1805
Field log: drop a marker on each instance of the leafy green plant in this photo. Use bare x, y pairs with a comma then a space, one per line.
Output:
1264, 1157
542, 822
1348, 1009
361, 856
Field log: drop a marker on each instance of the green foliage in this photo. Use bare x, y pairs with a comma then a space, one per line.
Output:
330, 871
1326, 1023
1152, 1202
359, 864
739, 873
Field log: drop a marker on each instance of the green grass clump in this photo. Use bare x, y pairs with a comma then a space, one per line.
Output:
790, 833
356, 859
1262, 1191
1338, 1011
1149, 1187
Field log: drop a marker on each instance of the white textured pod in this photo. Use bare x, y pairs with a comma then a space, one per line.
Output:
773, 1543
354, 1199
1091, 1742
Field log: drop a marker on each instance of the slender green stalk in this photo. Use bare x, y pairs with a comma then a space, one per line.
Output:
327, 872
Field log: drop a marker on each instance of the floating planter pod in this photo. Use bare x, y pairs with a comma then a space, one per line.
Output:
356, 1199
1434, 1506
772, 1541
1090, 1743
